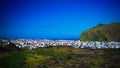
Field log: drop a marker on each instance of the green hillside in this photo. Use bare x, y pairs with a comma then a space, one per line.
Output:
102, 32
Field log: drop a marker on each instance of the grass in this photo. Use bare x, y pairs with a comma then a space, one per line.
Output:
61, 57
35, 60
12, 60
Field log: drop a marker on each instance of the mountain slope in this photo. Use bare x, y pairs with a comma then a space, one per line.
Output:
102, 32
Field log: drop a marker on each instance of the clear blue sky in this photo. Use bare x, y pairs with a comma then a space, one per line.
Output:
61, 19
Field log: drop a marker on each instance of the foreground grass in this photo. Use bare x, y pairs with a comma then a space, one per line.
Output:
61, 57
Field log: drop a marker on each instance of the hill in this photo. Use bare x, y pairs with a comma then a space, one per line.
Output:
102, 32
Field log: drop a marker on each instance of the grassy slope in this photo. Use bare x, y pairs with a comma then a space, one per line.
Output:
110, 32
61, 57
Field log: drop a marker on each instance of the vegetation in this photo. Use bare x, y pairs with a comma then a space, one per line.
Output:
60, 57
102, 32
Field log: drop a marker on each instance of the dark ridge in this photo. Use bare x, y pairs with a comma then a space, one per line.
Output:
9, 47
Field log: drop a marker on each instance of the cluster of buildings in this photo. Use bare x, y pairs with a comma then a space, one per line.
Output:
33, 44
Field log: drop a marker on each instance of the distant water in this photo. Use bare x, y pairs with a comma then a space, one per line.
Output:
43, 38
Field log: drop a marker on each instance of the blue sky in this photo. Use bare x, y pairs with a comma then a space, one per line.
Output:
54, 19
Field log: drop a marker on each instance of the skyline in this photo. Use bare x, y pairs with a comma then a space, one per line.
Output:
54, 19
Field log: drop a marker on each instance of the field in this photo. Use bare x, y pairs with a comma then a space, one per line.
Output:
61, 57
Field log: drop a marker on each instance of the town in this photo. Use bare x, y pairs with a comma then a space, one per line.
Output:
33, 44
